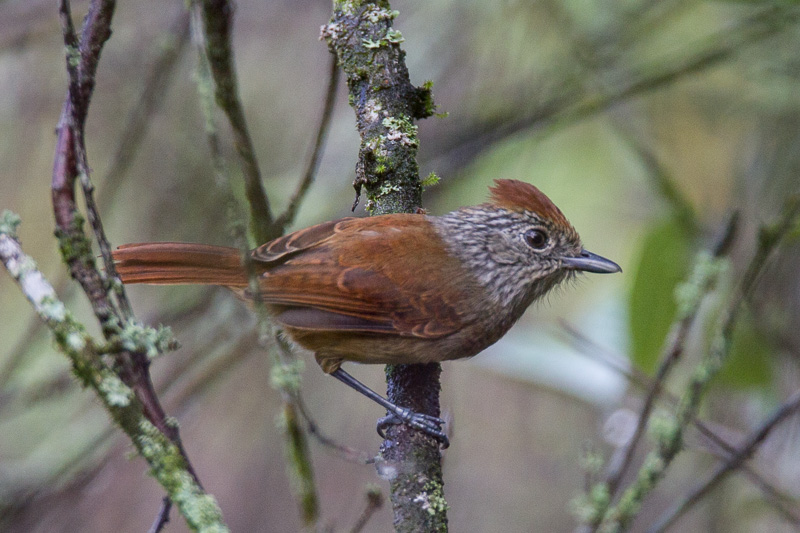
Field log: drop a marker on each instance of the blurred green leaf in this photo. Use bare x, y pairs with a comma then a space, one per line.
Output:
748, 364
663, 264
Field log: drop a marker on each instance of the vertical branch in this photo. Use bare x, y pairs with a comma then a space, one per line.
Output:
386, 105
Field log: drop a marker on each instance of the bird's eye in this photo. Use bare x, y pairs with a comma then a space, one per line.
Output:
536, 239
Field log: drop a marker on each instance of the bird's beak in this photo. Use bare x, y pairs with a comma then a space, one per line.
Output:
589, 262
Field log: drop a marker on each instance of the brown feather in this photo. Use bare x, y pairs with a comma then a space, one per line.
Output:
401, 288
517, 195
176, 263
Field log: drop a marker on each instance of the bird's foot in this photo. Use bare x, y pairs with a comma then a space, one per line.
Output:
430, 425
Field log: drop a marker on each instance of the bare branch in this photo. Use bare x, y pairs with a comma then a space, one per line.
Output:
150, 99
163, 516
565, 109
703, 279
374, 502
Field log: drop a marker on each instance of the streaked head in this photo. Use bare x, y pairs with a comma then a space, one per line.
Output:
519, 244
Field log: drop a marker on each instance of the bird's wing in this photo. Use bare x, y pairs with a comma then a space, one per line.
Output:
366, 274
285, 247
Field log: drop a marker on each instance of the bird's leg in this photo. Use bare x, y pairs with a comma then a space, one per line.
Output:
426, 423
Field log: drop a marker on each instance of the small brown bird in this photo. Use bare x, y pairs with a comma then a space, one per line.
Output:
393, 289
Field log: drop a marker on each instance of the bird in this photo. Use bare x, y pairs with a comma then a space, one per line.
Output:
393, 288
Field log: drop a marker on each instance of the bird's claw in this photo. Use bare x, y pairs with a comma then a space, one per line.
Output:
428, 424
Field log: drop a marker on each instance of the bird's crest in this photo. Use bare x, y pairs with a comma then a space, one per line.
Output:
517, 195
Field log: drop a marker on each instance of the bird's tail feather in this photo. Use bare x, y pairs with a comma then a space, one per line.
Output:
179, 263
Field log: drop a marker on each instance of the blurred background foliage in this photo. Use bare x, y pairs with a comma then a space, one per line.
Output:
647, 122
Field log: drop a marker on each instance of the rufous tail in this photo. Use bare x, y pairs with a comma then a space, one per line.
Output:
180, 263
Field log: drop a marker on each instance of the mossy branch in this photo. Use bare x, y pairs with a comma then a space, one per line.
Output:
386, 106
166, 459
122, 378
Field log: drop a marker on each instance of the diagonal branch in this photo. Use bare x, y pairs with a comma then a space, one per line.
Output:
703, 279
670, 438
565, 109
716, 445
167, 460
737, 460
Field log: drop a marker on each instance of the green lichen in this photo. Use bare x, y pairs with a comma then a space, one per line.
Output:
394, 36
73, 244
401, 130
52, 309
114, 391
435, 498
73, 54
391, 37
75, 341
136, 337
589, 508
169, 467
374, 14
666, 431
287, 376
9, 222
706, 270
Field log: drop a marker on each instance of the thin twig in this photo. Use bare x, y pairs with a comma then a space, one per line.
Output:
288, 215
162, 518
746, 451
299, 461
345, 452
166, 458
718, 446
681, 207
704, 280
217, 18
564, 109
671, 438
374, 502
156, 438
150, 99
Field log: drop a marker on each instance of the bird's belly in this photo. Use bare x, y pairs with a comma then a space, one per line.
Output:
383, 349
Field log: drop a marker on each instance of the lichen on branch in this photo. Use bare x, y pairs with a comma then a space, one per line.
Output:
385, 102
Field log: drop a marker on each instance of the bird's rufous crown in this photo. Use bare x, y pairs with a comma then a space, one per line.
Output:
516, 195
